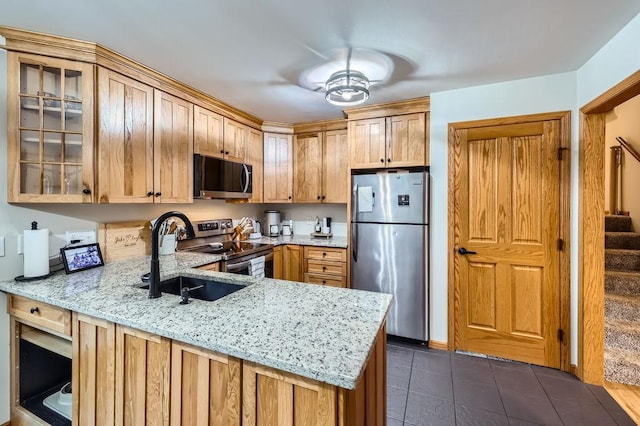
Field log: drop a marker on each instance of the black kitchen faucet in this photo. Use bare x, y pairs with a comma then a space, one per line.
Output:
154, 275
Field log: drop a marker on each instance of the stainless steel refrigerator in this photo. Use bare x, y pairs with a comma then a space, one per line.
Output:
389, 245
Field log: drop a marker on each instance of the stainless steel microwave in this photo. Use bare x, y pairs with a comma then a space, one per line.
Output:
217, 178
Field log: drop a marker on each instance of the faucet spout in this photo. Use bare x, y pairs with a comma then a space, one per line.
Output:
154, 275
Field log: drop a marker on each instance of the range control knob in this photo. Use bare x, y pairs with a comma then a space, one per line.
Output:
229, 225
223, 225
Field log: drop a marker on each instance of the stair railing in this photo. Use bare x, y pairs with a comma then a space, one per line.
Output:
615, 181
629, 148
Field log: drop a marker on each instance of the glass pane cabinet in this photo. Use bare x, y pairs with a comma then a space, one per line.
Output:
50, 129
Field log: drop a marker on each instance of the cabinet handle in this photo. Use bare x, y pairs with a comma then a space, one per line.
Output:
86, 191
150, 194
34, 310
158, 194
382, 160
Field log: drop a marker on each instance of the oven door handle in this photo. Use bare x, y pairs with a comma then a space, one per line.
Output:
245, 264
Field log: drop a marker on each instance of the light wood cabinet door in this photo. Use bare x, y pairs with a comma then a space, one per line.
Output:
50, 130
292, 269
278, 168
205, 387
307, 166
407, 143
272, 397
255, 155
235, 141
208, 133
278, 263
335, 164
125, 139
173, 149
367, 143
93, 371
142, 378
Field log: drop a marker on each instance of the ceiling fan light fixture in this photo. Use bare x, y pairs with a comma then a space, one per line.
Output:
346, 88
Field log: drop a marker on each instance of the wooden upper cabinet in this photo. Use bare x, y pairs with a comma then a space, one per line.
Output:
406, 143
335, 164
255, 155
236, 136
278, 168
208, 133
307, 166
395, 141
367, 142
50, 130
173, 149
125, 139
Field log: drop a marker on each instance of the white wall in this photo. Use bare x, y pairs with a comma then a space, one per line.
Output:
528, 96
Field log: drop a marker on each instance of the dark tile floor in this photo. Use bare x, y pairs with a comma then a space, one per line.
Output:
432, 387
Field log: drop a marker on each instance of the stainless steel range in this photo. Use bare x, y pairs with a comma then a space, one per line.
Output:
214, 236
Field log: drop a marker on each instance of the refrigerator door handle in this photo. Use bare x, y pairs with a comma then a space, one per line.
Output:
354, 241
354, 197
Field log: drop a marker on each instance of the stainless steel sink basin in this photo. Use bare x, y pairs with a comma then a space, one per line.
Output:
200, 288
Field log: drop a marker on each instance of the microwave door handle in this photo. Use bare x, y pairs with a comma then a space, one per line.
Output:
245, 186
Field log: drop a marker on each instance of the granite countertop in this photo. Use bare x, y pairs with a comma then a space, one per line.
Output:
320, 332
305, 240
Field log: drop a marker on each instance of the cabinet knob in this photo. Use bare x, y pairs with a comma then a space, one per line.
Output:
324, 281
158, 194
86, 191
324, 254
226, 153
324, 268
222, 151
323, 197
388, 160
318, 197
34, 310
289, 196
150, 194
382, 160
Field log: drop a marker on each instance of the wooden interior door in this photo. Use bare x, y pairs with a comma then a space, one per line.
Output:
507, 216
173, 149
307, 169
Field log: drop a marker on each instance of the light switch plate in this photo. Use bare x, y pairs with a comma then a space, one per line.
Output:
2, 246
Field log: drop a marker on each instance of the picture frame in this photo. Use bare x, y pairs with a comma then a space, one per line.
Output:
82, 257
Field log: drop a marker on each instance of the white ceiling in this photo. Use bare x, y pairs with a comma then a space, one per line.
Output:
251, 54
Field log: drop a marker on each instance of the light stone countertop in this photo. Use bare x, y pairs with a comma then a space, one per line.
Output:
323, 333
305, 240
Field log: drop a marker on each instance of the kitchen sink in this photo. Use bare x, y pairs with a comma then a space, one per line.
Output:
200, 288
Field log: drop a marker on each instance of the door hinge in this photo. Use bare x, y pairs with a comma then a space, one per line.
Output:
560, 152
560, 335
560, 244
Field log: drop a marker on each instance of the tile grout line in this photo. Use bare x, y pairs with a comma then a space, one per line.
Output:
406, 401
545, 392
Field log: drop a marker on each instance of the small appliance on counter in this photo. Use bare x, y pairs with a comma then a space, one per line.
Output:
271, 223
287, 228
322, 230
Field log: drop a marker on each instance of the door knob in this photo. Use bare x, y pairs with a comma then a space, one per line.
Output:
464, 251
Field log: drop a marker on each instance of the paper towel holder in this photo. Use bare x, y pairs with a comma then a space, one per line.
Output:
22, 278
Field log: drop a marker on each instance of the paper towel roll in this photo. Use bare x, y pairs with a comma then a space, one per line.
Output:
36, 253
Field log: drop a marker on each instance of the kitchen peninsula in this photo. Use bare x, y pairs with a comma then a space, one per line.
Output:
275, 352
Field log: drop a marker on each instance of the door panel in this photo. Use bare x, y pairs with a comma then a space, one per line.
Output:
507, 205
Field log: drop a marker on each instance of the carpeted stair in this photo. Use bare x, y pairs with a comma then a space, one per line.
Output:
622, 302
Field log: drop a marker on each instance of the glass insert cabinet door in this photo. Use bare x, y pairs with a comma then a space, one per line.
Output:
50, 129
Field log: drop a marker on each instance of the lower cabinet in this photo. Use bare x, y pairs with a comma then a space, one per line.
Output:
205, 387
287, 262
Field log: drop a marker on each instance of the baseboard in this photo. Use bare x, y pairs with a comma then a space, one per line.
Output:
572, 369
434, 344
6, 424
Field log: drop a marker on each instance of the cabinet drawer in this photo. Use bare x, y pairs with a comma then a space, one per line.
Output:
326, 253
210, 267
321, 267
40, 313
330, 280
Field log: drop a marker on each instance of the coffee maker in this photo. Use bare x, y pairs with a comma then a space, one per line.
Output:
271, 223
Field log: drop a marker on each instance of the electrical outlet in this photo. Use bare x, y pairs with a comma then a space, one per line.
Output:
310, 220
81, 237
